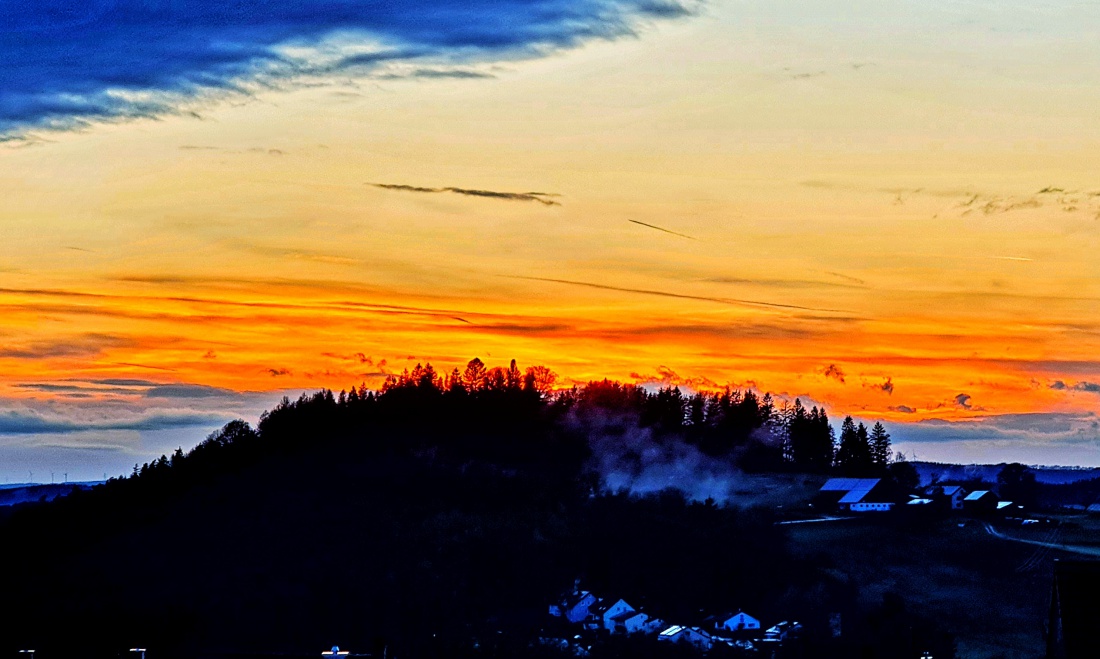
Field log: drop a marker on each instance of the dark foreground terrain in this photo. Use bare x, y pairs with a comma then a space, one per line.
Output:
431, 521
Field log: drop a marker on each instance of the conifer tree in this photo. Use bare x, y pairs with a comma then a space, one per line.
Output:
880, 445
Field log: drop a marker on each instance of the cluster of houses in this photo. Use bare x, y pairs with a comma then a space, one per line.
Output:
870, 495
740, 630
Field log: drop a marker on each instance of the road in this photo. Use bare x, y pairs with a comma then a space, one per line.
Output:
816, 519
1073, 549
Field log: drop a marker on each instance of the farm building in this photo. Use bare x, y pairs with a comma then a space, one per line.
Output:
844, 493
869, 507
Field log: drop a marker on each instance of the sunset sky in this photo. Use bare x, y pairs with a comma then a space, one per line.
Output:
890, 208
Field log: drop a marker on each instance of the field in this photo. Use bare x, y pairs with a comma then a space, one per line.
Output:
990, 592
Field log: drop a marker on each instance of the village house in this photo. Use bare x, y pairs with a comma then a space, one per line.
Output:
693, 636
574, 607
737, 622
980, 502
603, 614
948, 496
636, 622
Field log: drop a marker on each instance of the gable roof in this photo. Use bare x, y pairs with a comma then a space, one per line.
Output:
976, 494
857, 494
571, 600
627, 615
950, 490
848, 484
606, 605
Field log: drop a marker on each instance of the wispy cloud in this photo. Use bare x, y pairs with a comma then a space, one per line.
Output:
544, 198
834, 372
666, 377
1083, 385
1042, 428
19, 422
71, 64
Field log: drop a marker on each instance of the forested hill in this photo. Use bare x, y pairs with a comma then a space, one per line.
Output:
426, 518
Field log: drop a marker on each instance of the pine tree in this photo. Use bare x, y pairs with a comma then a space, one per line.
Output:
880, 446
854, 455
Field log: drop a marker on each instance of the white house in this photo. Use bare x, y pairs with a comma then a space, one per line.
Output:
869, 507
691, 635
574, 607
738, 622
956, 494
653, 626
637, 622
604, 614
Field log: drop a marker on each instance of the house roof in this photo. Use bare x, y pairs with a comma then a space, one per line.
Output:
976, 494
605, 605
856, 495
575, 598
677, 629
950, 490
626, 615
848, 484
918, 502
734, 615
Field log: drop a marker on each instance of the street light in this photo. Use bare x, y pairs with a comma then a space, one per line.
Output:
141, 650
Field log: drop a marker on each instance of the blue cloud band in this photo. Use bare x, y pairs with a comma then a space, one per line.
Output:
68, 63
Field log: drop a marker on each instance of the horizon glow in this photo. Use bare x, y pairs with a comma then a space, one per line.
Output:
887, 209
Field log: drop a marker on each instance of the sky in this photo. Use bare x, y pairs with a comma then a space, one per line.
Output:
886, 208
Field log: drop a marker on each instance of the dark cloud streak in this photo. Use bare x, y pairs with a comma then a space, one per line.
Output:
540, 197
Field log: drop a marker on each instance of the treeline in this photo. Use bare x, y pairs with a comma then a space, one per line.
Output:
475, 413
439, 510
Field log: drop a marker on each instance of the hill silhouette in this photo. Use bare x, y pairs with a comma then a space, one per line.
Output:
438, 517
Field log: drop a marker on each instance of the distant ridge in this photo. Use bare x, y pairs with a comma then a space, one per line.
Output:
17, 493
1051, 475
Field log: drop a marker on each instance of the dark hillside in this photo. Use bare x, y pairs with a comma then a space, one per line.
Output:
406, 520
438, 518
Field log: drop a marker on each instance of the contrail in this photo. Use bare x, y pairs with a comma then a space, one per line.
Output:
654, 226
682, 296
